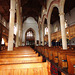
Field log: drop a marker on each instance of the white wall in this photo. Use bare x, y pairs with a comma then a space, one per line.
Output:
30, 23
70, 17
70, 20
55, 27
73, 41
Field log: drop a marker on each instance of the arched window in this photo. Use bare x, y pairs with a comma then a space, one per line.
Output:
66, 24
2, 41
30, 34
15, 30
46, 31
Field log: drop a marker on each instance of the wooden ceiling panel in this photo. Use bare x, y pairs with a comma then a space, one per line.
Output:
33, 8
4, 8
29, 8
69, 5
1, 10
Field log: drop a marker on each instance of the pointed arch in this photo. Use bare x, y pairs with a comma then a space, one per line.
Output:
30, 29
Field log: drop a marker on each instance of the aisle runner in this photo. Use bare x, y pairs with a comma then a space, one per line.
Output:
54, 70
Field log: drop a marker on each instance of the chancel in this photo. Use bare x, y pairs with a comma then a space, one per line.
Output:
37, 37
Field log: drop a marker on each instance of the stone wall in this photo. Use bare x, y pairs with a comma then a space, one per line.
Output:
30, 23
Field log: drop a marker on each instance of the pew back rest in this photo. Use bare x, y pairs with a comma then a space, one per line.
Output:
18, 52
25, 69
71, 64
62, 62
19, 55
20, 60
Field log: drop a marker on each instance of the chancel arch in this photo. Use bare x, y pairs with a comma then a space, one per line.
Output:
50, 9
30, 37
61, 18
45, 32
55, 25
30, 23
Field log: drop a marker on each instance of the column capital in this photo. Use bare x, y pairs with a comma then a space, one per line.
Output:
12, 10
62, 13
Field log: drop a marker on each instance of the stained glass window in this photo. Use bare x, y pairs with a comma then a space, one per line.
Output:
2, 41
46, 31
29, 34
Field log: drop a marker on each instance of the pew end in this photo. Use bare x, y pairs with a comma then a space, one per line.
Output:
71, 64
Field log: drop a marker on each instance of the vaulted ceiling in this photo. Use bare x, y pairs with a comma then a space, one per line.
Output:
32, 8
69, 5
4, 8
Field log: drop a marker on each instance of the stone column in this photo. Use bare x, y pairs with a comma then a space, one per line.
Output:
49, 35
35, 41
11, 25
0, 35
20, 26
21, 36
42, 34
39, 35
18, 23
63, 33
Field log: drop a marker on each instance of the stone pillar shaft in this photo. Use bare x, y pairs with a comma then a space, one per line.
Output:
18, 23
63, 33
11, 25
49, 35
42, 35
35, 41
21, 36
20, 26
39, 35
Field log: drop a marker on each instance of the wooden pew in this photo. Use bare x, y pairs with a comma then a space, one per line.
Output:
46, 53
20, 60
18, 55
55, 55
25, 69
26, 49
63, 59
50, 53
17, 52
71, 64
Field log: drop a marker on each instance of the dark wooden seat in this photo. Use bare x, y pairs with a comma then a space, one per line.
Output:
18, 55
71, 64
17, 52
20, 60
55, 55
58, 55
20, 50
63, 59
23, 61
25, 69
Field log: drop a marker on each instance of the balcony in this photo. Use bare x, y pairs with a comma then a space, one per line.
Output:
70, 33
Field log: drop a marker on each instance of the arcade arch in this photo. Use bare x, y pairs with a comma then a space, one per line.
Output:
30, 37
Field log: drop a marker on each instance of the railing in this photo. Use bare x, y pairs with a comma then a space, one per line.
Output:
70, 33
